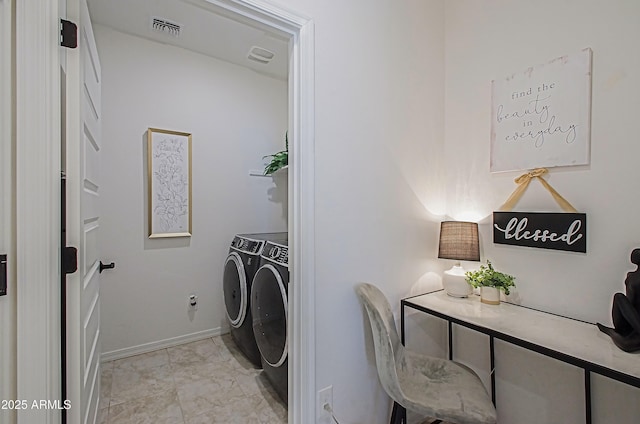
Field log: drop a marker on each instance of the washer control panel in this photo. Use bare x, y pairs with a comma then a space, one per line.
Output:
247, 245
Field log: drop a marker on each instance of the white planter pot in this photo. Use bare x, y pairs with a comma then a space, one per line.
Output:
490, 295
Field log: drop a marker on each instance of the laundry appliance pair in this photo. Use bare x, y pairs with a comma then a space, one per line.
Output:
255, 284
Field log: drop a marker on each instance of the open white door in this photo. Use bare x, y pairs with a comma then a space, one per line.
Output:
83, 140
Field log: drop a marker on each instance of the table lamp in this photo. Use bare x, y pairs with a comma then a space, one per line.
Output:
458, 241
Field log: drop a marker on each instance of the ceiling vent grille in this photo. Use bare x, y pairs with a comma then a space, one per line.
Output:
260, 55
165, 26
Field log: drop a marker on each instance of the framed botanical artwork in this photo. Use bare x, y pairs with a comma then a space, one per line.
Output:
169, 175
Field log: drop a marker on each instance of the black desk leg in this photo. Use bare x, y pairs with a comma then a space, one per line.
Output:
398, 414
402, 322
450, 325
493, 371
587, 396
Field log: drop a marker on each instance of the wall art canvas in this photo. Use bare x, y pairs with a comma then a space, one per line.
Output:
540, 118
169, 175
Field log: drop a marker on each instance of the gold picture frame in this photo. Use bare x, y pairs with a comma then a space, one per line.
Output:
169, 180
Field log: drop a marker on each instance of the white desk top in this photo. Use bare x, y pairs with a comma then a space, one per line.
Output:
563, 335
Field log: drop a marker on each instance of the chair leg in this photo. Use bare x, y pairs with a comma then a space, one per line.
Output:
398, 414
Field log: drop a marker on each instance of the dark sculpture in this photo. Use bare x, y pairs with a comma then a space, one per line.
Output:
626, 311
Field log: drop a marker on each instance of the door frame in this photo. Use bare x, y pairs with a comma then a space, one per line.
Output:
37, 185
38, 198
7, 208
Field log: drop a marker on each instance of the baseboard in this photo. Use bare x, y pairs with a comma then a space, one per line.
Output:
161, 344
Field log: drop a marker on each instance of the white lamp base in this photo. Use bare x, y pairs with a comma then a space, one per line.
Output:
454, 282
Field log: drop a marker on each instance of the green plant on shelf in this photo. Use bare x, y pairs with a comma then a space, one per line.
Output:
486, 276
279, 160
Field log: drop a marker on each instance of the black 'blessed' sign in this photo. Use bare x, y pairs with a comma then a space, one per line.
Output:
558, 231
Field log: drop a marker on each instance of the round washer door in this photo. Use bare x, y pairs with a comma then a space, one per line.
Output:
269, 311
234, 286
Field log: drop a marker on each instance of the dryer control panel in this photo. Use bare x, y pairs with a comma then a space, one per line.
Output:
276, 253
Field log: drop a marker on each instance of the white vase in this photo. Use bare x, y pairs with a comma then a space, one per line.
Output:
490, 295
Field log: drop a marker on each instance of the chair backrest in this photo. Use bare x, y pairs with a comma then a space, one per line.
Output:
385, 337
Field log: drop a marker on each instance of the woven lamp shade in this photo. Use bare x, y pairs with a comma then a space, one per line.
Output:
459, 241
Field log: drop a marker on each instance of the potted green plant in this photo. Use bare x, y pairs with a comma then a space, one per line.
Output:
278, 160
490, 283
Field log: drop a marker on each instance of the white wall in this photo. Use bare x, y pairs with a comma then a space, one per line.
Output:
236, 116
379, 132
490, 40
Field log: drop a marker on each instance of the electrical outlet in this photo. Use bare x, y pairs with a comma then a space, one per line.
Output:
324, 406
193, 302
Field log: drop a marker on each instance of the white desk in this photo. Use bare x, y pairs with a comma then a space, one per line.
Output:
568, 340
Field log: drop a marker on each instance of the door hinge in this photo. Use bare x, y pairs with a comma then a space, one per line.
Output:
68, 34
69, 260
3, 275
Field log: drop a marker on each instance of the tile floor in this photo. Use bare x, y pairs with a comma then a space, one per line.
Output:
203, 382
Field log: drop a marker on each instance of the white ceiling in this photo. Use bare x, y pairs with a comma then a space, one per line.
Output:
203, 31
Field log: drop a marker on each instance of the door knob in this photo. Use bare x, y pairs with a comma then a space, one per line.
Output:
107, 266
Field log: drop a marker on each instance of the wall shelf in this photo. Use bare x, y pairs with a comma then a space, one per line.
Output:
282, 171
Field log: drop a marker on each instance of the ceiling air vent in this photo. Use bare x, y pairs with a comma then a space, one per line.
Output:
165, 26
260, 55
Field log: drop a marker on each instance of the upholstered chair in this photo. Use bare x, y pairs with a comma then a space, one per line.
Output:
432, 387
